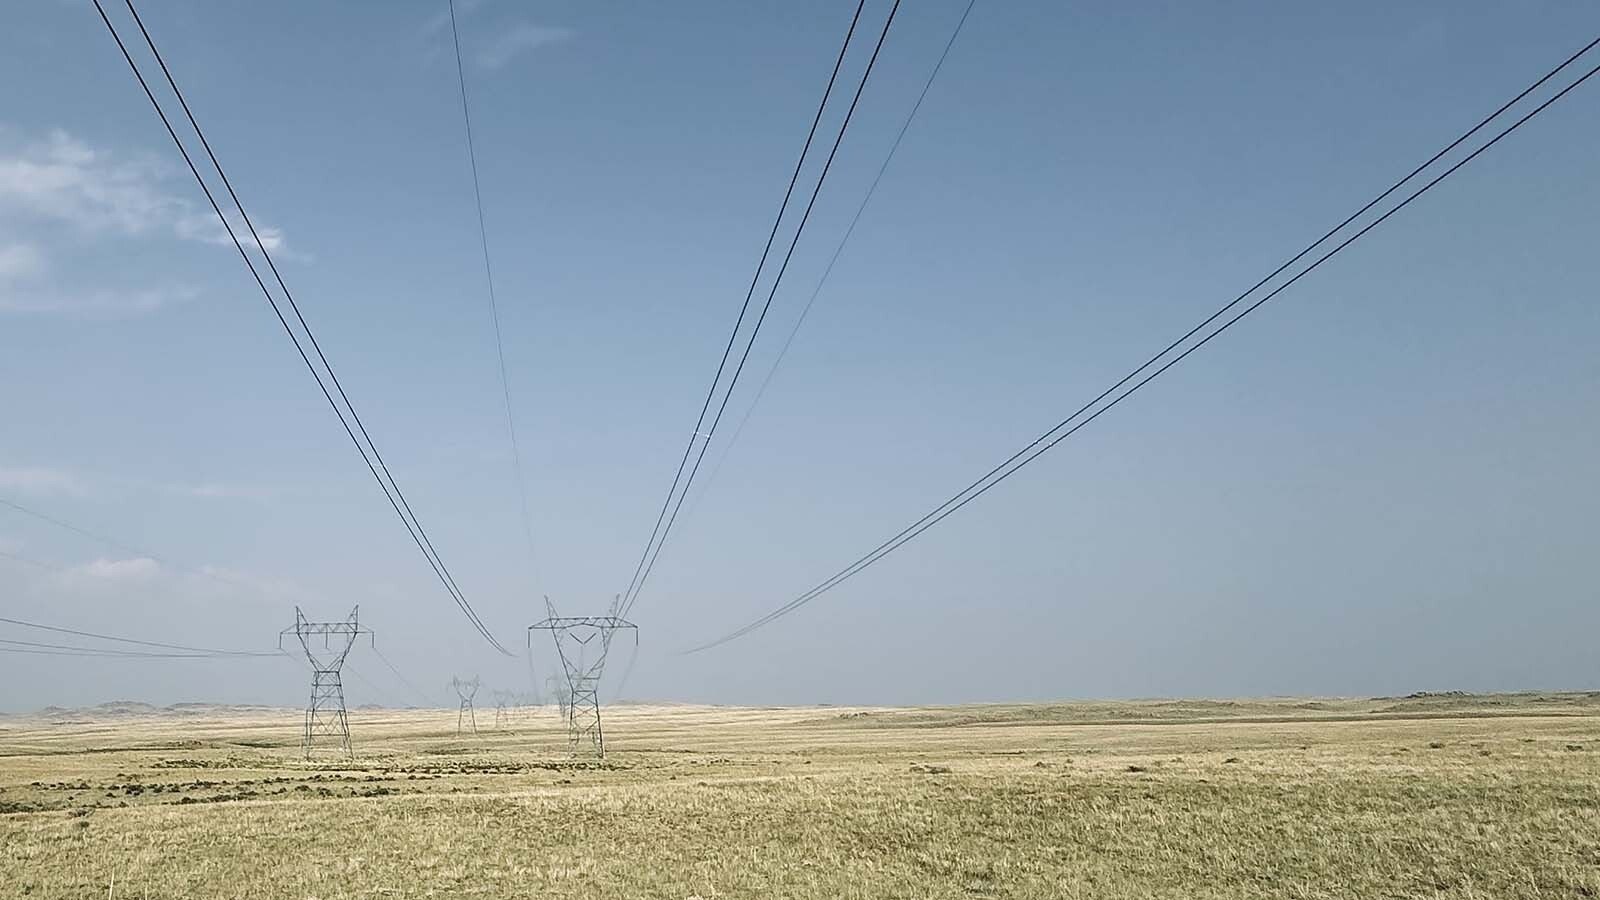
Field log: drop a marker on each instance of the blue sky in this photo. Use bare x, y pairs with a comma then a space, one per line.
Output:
1383, 482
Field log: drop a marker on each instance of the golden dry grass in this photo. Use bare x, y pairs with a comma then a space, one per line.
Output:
1441, 797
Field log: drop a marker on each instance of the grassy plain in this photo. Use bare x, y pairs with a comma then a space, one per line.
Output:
1437, 797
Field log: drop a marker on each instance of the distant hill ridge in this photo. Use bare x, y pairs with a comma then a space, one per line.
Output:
133, 708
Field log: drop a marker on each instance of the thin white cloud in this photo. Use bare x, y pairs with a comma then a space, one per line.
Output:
97, 304
224, 491
207, 229
271, 590
23, 291
38, 481
138, 568
42, 481
19, 261
63, 179
519, 38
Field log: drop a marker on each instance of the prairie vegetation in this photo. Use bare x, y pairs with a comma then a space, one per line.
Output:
1447, 796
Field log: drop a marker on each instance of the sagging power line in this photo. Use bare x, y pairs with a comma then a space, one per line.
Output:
696, 434
13, 645
349, 419
110, 542
494, 306
827, 270
94, 635
1066, 427
102, 655
659, 534
35, 563
421, 695
186, 651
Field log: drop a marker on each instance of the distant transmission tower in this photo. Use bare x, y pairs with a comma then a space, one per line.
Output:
466, 690
326, 645
558, 689
582, 643
502, 709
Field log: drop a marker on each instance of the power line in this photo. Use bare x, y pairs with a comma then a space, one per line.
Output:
104, 655
749, 294
390, 488
126, 640
828, 269
49, 567
426, 700
767, 306
494, 307
1051, 438
72, 650
418, 534
111, 542
364, 680
96, 651
107, 637
627, 670
208, 651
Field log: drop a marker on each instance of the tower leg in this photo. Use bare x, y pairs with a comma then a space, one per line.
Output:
326, 720
583, 720
311, 711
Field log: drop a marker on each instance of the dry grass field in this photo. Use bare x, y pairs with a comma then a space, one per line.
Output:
1438, 797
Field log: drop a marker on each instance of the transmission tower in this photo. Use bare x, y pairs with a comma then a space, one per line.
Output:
502, 709
326, 645
582, 643
466, 689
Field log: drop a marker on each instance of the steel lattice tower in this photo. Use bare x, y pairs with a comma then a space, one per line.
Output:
466, 690
327, 725
582, 643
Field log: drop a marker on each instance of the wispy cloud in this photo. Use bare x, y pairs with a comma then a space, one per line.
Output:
271, 589
208, 229
24, 291
40, 481
57, 481
19, 261
512, 42
138, 568
97, 304
213, 490
63, 179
